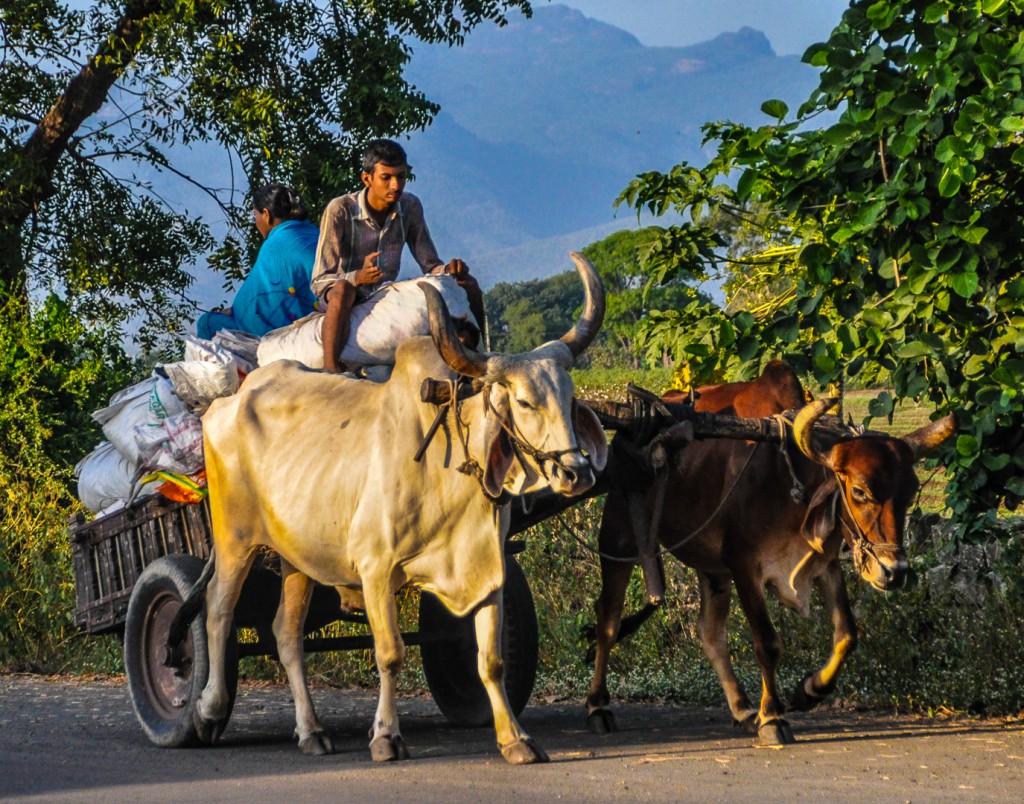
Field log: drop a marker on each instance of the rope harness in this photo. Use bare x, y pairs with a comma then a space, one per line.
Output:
520, 446
798, 493
860, 545
656, 462
654, 523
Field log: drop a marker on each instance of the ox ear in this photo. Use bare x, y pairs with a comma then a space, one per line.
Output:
820, 519
500, 456
499, 460
590, 435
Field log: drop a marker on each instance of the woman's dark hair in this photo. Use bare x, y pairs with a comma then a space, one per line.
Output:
383, 152
283, 202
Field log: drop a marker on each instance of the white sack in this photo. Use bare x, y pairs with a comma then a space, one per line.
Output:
204, 350
301, 340
198, 382
105, 476
394, 313
210, 370
175, 444
139, 405
241, 345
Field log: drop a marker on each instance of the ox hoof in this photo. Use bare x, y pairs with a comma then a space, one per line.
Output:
523, 752
802, 700
316, 744
747, 724
601, 721
388, 748
208, 730
777, 732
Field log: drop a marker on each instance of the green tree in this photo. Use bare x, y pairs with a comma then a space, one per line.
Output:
907, 212
53, 370
95, 103
630, 297
522, 315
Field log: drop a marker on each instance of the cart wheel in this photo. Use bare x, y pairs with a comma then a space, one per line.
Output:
164, 698
450, 662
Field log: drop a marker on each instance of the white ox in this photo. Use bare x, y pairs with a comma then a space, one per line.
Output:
319, 468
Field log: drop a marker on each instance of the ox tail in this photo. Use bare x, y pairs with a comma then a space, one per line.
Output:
629, 626
190, 606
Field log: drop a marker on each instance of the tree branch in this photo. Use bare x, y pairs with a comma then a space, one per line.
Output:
31, 183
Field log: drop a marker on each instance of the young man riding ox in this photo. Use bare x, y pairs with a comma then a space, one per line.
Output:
362, 235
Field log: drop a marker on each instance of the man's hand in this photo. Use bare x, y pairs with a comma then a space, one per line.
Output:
369, 274
457, 268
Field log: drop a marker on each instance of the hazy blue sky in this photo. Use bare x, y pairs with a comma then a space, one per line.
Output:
791, 25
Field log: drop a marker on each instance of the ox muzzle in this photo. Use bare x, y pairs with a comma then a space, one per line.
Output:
884, 566
570, 473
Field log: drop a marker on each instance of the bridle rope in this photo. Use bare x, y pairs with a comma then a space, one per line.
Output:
520, 446
860, 544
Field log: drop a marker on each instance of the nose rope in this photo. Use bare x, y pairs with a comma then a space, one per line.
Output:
861, 545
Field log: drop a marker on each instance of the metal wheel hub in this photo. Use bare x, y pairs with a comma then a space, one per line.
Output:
168, 685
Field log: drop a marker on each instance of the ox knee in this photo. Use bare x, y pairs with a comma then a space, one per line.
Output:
390, 655
491, 665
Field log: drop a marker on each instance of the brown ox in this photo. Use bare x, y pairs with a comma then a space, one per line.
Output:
730, 513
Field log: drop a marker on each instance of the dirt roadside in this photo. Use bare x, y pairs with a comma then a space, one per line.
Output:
77, 740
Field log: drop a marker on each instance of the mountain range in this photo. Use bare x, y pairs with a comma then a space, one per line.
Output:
545, 121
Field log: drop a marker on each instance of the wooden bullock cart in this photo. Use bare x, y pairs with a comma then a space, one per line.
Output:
134, 567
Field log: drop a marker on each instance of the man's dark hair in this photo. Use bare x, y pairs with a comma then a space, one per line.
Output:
383, 152
283, 202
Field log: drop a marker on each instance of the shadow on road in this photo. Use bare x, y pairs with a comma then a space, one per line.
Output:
79, 740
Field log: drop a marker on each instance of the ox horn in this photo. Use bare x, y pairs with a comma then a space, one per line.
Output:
580, 336
803, 429
442, 330
927, 439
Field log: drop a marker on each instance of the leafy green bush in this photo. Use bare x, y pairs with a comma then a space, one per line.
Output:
53, 372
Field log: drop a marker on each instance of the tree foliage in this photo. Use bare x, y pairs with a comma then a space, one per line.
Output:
524, 314
906, 212
631, 298
53, 370
97, 104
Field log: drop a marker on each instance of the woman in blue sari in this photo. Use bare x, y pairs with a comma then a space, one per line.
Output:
276, 291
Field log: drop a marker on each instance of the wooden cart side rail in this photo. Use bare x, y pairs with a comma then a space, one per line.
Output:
111, 552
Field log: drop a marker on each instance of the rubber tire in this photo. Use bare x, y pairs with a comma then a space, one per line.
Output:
451, 665
164, 702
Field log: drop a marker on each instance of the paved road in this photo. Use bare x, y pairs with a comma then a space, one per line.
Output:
73, 740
